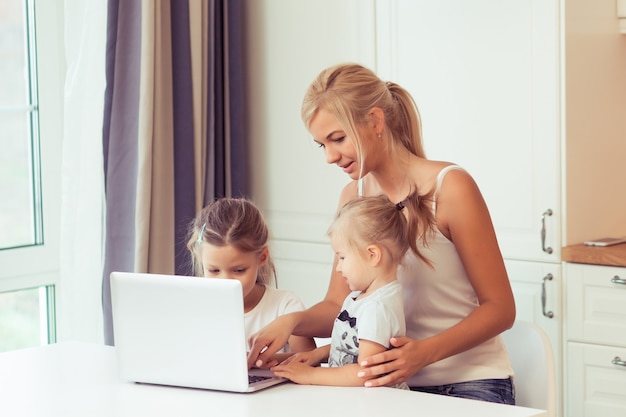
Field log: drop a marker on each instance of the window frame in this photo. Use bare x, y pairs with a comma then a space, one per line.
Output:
39, 265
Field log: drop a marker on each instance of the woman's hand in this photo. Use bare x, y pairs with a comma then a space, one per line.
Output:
269, 340
394, 365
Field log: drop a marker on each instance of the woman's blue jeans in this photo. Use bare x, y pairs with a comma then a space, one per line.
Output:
492, 390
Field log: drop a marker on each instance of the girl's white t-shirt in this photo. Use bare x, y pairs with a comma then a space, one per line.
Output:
274, 303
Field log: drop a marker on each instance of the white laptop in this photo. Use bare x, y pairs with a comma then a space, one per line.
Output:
183, 331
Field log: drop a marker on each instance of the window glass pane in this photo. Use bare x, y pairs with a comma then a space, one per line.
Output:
13, 54
16, 182
23, 318
20, 207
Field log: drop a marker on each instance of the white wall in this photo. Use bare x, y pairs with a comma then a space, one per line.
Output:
289, 43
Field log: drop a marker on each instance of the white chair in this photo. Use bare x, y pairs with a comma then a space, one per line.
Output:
532, 359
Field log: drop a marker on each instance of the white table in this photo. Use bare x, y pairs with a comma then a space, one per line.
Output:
79, 379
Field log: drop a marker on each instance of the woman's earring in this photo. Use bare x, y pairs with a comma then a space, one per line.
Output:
380, 136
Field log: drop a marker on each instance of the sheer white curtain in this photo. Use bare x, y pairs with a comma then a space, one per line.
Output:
79, 293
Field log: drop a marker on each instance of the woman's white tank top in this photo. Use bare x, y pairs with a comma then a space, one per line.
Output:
436, 299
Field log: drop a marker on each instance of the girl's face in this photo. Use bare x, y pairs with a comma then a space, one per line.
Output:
229, 262
338, 147
352, 266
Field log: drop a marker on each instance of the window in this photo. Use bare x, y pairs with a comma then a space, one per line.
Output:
29, 172
20, 213
26, 318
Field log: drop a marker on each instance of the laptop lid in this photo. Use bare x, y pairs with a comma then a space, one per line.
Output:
181, 331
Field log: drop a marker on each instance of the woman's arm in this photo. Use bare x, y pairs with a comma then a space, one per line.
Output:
316, 321
463, 217
301, 344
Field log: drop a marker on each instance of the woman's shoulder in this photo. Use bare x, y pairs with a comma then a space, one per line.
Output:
429, 175
450, 175
445, 181
432, 168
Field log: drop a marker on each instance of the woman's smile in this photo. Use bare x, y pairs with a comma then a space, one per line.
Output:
348, 167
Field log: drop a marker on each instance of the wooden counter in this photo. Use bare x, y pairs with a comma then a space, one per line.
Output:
610, 255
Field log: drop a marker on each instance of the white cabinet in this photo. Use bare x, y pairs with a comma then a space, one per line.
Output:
485, 77
537, 288
595, 335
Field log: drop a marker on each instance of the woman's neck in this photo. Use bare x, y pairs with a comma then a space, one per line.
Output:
394, 178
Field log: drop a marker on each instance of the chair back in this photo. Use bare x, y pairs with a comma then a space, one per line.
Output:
532, 360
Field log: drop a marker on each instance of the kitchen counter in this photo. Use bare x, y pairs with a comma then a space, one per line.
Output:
610, 255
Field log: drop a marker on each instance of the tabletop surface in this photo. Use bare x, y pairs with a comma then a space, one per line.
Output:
595, 255
80, 379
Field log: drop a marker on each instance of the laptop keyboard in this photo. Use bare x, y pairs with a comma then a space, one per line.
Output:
256, 378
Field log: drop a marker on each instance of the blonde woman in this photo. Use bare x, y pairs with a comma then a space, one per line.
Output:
458, 297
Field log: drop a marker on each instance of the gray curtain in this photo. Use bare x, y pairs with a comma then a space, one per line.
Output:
166, 151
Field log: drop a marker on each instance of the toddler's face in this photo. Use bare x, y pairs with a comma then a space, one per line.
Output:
351, 264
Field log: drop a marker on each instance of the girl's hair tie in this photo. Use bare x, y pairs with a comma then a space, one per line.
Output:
400, 205
201, 233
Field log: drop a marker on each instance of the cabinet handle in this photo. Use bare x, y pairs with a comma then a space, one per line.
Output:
617, 280
548, 212
618, 361
548, 314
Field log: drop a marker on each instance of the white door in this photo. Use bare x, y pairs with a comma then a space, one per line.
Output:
485, 77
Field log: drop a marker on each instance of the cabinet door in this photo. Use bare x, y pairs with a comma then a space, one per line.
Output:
596, 382
485, 77
536, 287
537, 290
596, 304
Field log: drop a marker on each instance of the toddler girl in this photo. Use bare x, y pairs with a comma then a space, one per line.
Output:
369, 237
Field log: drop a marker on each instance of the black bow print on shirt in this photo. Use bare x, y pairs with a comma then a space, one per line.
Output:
344, 316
